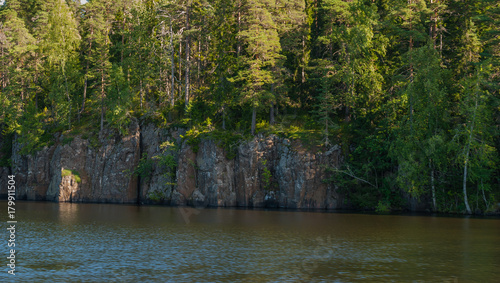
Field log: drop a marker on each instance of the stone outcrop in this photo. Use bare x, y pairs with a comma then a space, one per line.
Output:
80, 171
267, 171
263, 172
4, 171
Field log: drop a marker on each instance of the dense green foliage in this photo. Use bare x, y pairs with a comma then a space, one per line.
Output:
408, 88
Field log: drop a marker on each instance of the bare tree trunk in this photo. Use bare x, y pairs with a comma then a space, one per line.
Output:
102, 99
69, 99
271, 114
141, 91
180, 69
3, 70
466, 202
441, 45
410, 47
186, 100
85, 76
35, 81
123, 39
327, 141
238, 47
271, 109
172, 58
84, 93
303, 59
198, 60
254, 118
433, 187
466, 162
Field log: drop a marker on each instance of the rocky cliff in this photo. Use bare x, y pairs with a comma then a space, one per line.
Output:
80, 171
266, 171
263, 172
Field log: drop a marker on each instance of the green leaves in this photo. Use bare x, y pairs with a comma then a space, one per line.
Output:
407, 88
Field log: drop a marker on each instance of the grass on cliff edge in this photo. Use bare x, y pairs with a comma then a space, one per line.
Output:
309, 136
74, 173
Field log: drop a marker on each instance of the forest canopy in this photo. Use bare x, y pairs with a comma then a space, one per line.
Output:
408, 88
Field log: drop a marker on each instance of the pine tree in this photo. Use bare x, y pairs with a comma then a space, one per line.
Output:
59, 49
17, 47
262, 52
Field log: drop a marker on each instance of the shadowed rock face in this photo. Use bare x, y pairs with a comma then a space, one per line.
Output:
105, 171
265, 172
4, 173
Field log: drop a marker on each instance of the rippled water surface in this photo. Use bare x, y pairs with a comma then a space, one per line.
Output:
123, 243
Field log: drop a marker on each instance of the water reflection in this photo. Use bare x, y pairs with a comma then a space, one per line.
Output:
68, 213
126, 243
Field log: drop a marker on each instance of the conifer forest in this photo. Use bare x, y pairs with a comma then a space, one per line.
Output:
408, 89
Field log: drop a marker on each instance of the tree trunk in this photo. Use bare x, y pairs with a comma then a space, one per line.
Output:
102, 99
466, 202
303, 59
254, 118
441, 45
327, 141
84, 94
271, 114
172, 58
198, 60
3, 69
86, 74
180, 69
69, 99
433, 188
238, 46
271, 109
186, 100
141, 92
35, 81
410, 47
123, 39
466, 162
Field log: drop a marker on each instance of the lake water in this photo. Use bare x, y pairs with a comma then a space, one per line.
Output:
124, 243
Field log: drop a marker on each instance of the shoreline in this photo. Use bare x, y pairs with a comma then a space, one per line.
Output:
494, 215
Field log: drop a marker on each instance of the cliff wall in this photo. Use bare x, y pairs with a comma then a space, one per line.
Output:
266, 171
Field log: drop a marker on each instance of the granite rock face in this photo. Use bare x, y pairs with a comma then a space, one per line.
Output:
264, 172
267, 171
4, 171
79, 171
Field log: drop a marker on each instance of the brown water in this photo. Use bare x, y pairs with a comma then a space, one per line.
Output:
122, 243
